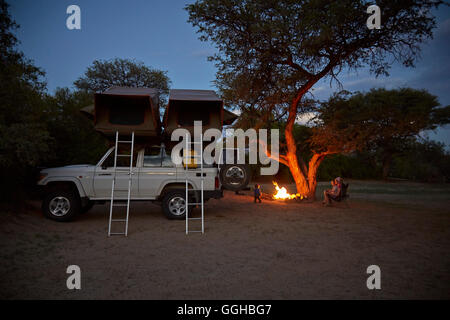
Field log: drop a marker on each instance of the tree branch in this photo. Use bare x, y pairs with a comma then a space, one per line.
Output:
281, 158
290, 62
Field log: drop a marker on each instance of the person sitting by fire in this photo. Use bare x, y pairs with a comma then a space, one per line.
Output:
332, 193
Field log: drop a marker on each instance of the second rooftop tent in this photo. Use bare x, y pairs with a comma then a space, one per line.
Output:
186, 106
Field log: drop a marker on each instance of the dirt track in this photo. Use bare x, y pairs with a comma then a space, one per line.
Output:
249, 251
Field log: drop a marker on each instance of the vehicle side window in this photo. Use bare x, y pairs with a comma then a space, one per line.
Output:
167, 159
121, 161
152, 157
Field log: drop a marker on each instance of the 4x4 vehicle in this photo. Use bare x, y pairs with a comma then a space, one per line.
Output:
73, 189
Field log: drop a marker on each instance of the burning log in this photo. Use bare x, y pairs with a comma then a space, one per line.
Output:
267, 196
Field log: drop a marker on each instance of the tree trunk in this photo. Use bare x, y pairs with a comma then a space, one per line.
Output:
306, 182
313, 166
301, 182
291, 155
305, 177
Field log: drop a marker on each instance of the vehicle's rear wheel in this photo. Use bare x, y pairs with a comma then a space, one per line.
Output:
61, 205
174, 204
235, 177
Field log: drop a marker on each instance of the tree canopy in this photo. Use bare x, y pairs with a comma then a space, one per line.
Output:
24, 136
103, 74
22, 87
292, 44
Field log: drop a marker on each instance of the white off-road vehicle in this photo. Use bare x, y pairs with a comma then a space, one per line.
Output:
70, 190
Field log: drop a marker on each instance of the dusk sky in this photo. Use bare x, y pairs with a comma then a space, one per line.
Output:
157, 33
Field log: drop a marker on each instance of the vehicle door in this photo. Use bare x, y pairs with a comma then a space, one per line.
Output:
157, 169
104, 174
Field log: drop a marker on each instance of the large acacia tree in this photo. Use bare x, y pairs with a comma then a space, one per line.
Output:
287, 46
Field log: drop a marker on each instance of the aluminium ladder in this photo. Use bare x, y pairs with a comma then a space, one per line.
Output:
187, 159
129, 171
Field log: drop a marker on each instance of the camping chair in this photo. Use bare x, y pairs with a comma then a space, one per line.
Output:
343, 196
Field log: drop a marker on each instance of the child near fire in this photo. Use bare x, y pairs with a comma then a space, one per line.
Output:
257, 193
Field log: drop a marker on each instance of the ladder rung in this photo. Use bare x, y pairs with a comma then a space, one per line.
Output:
120, 205
195, 218
124, 141
119, 220
124, 155
190, 231
195, 203
117, 233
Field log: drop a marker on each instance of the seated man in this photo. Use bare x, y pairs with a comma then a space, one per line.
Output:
333, 192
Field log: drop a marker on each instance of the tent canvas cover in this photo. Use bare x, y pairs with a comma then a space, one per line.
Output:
127, 109
186, 106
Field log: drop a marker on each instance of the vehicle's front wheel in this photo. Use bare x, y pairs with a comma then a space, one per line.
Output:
61, 205
174, 204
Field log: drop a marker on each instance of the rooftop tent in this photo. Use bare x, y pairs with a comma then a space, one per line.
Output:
187, 106
126, 109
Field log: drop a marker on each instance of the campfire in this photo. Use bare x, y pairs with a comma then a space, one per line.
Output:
282, 194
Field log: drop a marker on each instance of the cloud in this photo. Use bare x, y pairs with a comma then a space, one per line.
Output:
304, 118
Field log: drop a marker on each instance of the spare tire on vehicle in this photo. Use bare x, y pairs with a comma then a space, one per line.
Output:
234, 177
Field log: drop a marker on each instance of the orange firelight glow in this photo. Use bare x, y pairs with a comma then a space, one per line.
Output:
282, 193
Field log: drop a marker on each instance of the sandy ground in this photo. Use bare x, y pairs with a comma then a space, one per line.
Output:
272, 250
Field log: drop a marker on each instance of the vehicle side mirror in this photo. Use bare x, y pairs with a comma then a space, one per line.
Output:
104, 167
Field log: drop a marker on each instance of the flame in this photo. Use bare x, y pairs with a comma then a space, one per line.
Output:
282, 193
